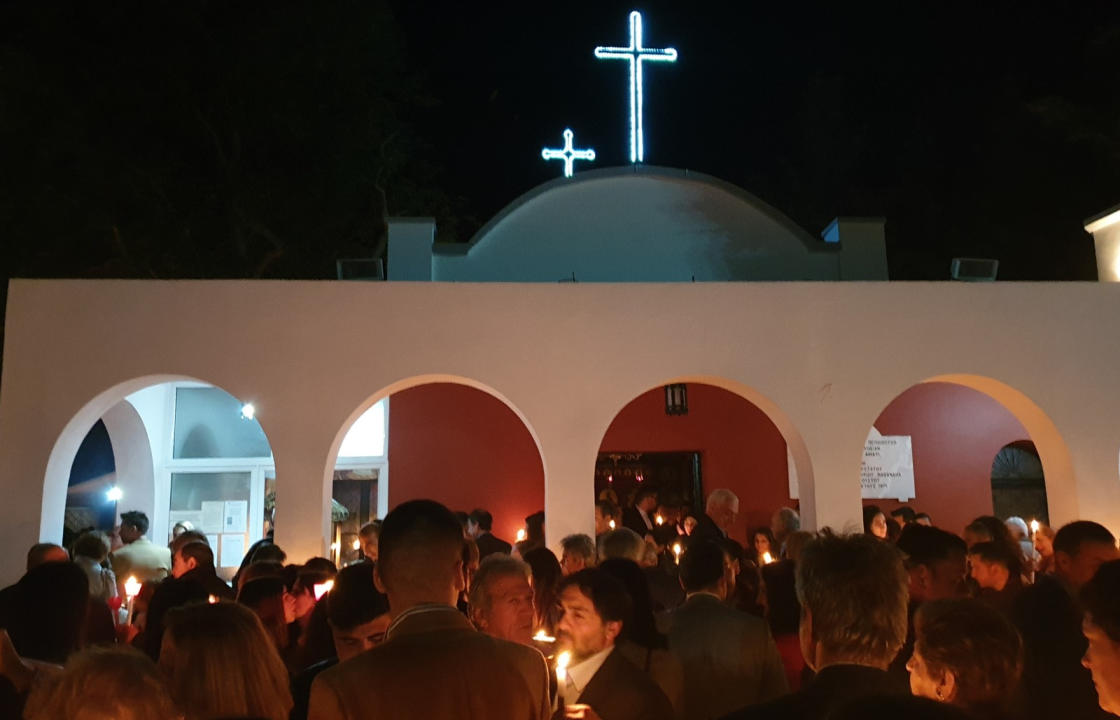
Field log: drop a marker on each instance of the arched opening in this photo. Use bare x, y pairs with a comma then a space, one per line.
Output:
957, 446
441, 437
693, 436
177, 449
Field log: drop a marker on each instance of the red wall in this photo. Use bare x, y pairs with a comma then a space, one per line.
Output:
466, 449
739, 447
956, 432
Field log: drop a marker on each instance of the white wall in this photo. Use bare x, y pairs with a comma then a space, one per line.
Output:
646, 225
824, 358
152, 405
132, 455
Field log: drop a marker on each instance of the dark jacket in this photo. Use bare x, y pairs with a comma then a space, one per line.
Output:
488, 545
832, 687
706, 529
730, 660
209, 580
621, 691
632, 519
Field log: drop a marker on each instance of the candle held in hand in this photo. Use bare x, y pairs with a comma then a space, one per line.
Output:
562, 661
611, 523
131, 587
767, 558
322, 589
1035, 525
659, 520
677, 552
521, 535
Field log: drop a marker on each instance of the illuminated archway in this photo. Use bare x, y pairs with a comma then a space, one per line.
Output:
743, 440
447, 438
958, 424
167, 423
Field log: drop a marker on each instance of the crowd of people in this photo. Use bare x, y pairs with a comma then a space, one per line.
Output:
662, 615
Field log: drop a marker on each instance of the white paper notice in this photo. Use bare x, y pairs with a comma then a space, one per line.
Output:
236, 516
887, 470
212, 516
193, 517
233, 550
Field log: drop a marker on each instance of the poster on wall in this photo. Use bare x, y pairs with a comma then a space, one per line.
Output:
233, 550
887, 470
211, 516
236, 516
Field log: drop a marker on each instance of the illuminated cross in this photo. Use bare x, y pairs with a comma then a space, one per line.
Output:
568, 155
635, 54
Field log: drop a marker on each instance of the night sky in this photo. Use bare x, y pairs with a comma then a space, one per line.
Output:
252, 139
977, 129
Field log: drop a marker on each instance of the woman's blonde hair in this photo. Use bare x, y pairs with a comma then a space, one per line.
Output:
220, 662
103, 683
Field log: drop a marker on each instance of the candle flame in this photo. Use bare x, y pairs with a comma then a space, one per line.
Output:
611, 523
521, 535
677, 549
322, 589
659, 520
1035, 525
562, 661
131, 587
767, 558
212, 599
543, 637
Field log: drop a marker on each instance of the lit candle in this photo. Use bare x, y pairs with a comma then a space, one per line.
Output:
767, 558
659, 520
212, 599
677, 552
611, 523
1035, 525
357, 545
521, 535
322, 589
131, 590
562, 661
543, 637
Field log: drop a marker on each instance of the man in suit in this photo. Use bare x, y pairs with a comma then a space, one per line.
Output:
1050, 619
640, 516
730, 660
718, 518
433, 663
600, 682
139, 557
853, 621
501, 599
479, 523
195, 561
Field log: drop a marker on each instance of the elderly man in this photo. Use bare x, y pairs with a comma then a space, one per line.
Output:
853, 593
718, 518
420, 568
578, 552
501, 599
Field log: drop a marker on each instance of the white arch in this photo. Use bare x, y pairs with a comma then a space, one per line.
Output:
795, 443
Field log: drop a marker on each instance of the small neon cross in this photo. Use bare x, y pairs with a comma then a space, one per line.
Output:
568, 155
635, 54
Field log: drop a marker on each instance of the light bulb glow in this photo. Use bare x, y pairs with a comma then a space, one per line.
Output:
567, 153
114, 494
562, 662
131, 587
248, 411
634, 54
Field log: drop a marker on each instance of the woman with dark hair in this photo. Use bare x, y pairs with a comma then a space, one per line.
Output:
546, 578
762, 542
875, 522
966, 654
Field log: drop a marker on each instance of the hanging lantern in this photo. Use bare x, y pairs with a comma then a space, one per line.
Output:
676, 399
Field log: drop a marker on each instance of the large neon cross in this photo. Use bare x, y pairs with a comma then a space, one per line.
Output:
635, 54
567, 154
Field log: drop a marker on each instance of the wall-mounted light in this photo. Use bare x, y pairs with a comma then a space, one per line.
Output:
114, 494
676, 399
248, 411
